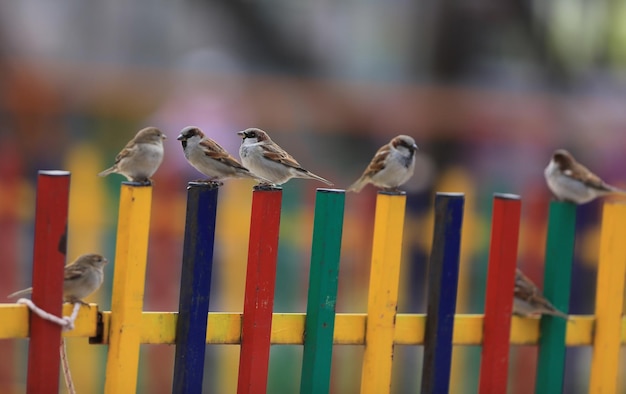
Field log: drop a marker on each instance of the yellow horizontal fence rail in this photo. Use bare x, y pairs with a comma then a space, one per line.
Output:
14, 322
288, 328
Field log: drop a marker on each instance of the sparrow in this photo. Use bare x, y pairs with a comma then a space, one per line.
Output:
80, 278
528, 300
571, 181
141, 157
208, 157
392, 165
266, 159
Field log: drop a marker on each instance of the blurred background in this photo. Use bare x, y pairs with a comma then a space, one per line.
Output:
488, 88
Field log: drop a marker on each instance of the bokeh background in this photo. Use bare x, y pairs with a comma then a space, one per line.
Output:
488, 88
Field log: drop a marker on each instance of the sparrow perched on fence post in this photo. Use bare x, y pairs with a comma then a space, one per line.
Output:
80, 278
208, 157
529, 301
571, 181
141, 157
264, 158
392, 165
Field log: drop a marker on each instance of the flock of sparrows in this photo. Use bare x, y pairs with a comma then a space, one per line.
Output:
261, 159
270, 165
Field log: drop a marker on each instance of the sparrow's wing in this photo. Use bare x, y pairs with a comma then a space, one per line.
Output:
376, 165
128, 150
275, 153
582, 174
213, 150
378, 162
526, 291
74, 271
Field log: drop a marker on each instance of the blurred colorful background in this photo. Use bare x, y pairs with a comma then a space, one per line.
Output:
487, 88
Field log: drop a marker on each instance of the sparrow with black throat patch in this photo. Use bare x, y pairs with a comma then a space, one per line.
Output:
208, 157
529, 301
80, 278
264, 158
392, 165
571, 181
141, 157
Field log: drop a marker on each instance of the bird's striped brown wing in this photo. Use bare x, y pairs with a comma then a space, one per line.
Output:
213, 150
128, 150
275, 153
584, 175
378, 161
526, 290
74, 271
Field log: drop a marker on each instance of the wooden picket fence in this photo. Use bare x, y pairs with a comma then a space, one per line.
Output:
126, 326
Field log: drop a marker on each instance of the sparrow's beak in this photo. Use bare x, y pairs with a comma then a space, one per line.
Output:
242, 134
414, 146
163, 136
180, 137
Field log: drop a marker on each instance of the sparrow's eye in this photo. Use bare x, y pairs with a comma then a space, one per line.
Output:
560, 158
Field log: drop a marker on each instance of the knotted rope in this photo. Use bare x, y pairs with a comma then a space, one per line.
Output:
67, 323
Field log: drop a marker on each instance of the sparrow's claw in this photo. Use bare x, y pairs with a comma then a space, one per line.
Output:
266, 186
209, 181
138, 182
392, 191
143, 182
213, 180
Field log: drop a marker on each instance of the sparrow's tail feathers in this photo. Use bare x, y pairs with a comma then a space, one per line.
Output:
615, 190
20, 293
107, 171
319, 178
547, 308
358, 185
556, 312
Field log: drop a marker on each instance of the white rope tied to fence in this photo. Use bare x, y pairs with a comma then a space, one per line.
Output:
67, 323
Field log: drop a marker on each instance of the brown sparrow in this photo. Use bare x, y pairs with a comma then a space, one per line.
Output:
391, 166
80, 278
141, 157
269, 161
208, 157
571, 181
528, 300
